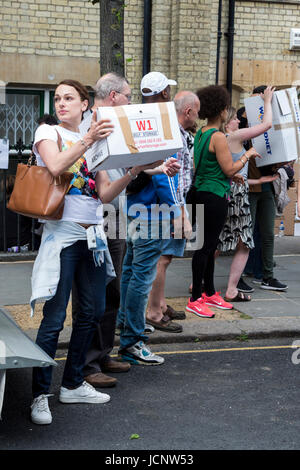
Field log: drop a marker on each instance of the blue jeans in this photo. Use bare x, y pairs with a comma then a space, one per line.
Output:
76, 262
139, 271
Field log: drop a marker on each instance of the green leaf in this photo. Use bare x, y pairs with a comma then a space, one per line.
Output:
134, 436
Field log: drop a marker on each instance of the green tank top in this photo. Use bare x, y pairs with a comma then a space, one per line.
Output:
210, 176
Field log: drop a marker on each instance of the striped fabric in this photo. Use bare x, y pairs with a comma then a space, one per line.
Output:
238, 224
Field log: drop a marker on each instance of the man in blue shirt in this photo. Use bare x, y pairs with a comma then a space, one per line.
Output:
144, 248
159, 314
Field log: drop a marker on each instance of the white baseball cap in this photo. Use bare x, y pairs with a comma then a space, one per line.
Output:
156, 82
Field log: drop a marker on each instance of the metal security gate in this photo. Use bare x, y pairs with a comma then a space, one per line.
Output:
18, 117
17, 233
18, 122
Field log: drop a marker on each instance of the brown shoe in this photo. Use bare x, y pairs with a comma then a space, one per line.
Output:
165, 324
100, 380
173, 314
115, 366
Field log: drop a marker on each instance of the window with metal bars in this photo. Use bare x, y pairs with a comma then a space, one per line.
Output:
19, 114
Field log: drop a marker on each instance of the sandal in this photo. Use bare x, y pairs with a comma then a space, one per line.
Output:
240, 297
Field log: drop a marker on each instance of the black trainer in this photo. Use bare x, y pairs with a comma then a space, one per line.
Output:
273, 284
243, 287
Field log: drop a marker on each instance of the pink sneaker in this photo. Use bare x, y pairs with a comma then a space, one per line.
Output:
217, 301
199, 308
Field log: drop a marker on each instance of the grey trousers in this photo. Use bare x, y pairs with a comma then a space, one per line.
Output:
103, 340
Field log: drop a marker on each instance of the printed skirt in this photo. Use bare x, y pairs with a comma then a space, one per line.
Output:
238, 224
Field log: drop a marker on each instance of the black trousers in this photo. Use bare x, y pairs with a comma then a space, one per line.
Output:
103, 340
203, 263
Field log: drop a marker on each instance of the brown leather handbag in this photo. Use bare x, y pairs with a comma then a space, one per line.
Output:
37, 193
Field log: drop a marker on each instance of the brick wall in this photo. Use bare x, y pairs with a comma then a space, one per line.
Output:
261, 45
48, 38
50, 27
184, 43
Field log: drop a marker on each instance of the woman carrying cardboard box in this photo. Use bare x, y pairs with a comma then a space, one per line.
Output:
74, 246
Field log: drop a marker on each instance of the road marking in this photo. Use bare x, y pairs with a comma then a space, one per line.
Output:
287, 255
16, 262
226, 349
193, 351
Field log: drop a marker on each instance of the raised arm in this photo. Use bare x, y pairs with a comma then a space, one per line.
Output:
250, 132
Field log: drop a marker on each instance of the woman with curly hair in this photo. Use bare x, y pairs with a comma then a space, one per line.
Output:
214, 167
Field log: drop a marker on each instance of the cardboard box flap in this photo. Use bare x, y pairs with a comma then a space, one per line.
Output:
283, 102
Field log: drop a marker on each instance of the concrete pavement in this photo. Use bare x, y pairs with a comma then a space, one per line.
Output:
269, 314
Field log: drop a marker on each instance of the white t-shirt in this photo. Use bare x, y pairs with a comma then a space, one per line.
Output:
80, 206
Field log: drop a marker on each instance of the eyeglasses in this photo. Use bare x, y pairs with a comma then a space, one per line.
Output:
126, 96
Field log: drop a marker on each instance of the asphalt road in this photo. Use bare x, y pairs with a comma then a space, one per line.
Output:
241, 395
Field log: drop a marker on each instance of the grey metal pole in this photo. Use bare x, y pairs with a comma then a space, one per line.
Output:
230, 36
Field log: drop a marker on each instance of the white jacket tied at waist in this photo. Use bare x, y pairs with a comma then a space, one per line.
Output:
58, 235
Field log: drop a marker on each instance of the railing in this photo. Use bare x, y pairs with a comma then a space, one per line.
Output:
17, 233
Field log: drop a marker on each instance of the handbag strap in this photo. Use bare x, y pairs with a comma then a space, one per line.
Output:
59, 140
32, 159
201, 154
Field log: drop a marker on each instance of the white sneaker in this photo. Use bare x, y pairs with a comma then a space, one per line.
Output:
40, 412
139, 353
86, 393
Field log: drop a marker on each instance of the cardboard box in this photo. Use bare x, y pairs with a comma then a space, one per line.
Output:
281, 143
296, 168
142, 134
297, 229
297, 221
297, 218
288, 215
